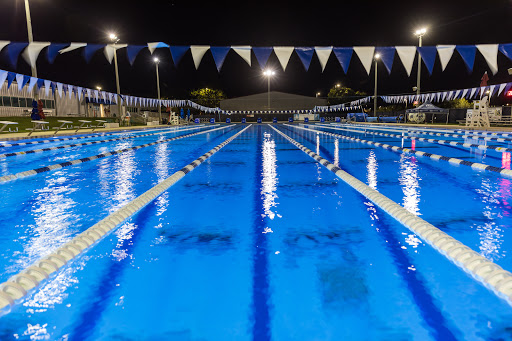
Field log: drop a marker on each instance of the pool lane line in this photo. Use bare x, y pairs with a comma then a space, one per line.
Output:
81, 137
95, 142
428, 306
11, 177
452, 160
490, 274
422, 132
19, 285
423, 139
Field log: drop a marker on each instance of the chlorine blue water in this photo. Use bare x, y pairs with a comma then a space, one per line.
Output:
259, 242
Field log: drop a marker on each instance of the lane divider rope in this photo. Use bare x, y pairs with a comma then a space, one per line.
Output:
20, 285
483, 270
452, 160
11, 177
94, 142
81, 137
423, 132
423, 139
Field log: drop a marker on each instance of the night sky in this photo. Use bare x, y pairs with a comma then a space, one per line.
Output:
256, 23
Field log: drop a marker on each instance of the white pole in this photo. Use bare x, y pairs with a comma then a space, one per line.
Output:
158, 91
418, 81
375, 91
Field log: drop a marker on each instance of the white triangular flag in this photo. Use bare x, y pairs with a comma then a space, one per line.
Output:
198, 52
491, 90
490, 53
502, 86
472, 92
153, 46
283, 54
365, 54
79, 92
70, 91
323, 53
464, 93
72, 46
445, 53
32, 83
32, 51
4, 43
59, 89
109, 50
244, 52
47, 86
407, 55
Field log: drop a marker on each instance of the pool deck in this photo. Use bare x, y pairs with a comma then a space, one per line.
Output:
70, 132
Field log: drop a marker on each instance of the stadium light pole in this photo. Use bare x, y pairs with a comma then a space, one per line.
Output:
114, 39
419, 33
268, 73
376, 58
30, 34
157, 61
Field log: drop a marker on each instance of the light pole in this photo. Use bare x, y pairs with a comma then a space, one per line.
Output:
376, 58
30, 40
268, 73
419, 33
157, 61
115, 40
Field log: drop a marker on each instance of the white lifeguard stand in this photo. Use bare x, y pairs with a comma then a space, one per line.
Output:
479, 116
173, 119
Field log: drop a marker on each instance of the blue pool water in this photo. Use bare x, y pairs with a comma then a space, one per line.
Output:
260, 242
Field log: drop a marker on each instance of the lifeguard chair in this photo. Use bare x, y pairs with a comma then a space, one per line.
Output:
479, 116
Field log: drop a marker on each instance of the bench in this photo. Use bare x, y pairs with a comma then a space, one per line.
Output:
99, 124
62, 124
7, 124
82, 124
38, 125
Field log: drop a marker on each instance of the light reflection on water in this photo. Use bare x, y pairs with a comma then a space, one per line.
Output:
372, 167
52, 220
409, 180
162, 170
269, 178
336, 153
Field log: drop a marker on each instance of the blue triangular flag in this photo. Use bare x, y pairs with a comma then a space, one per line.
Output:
344, 54
53, 51
428, 54
305, 54
90, 49
467, 52
177, 52
132, 51
14, 50
387, 55
10, 78
219, 54
40, 83
506, 49
262, 54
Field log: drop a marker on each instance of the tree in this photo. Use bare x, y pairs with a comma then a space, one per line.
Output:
458, 103
207, 97
342, 94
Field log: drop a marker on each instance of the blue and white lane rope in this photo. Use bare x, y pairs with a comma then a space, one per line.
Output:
5, 155
483, 270
11, 177
424, 132
81, 137
452, 160
423, 139
20, 285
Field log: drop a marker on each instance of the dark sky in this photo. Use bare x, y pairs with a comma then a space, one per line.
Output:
256, 23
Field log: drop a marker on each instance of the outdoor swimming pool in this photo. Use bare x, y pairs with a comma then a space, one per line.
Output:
258, 242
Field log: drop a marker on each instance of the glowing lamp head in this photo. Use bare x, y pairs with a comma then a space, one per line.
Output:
421, 31
112, 36
377, 56
156, 60
269, 73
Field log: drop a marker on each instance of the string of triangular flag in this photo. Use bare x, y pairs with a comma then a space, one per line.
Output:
365, 54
